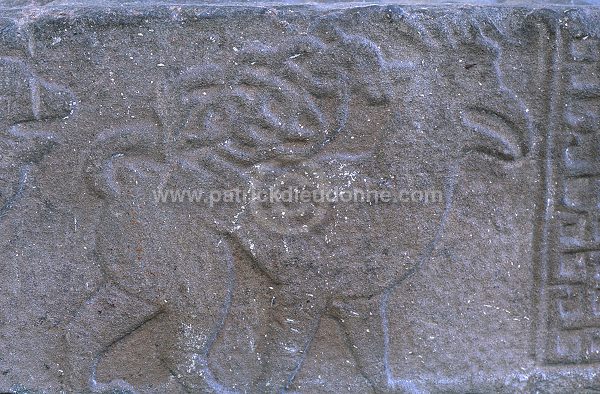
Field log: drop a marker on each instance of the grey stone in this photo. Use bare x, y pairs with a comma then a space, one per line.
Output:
427, 216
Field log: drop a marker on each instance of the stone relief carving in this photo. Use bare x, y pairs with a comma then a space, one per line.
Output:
568, 285
24, 100
267, 115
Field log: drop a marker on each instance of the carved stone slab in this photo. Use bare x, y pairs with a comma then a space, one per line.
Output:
299, 198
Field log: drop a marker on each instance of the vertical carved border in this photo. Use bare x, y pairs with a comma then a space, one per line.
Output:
568, 271
548, 57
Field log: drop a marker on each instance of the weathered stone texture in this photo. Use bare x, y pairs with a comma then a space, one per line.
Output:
494, 286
